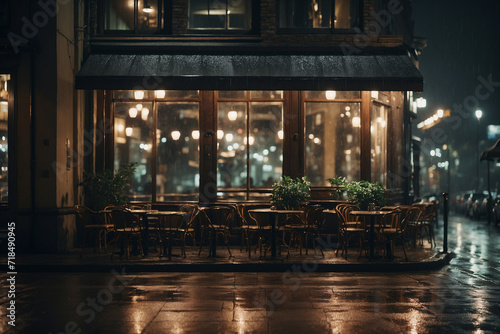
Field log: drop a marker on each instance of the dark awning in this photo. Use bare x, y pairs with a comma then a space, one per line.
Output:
249, 72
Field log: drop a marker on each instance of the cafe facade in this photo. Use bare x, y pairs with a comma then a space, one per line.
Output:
213, 101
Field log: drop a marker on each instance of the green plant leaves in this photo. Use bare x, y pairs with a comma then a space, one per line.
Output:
288, 193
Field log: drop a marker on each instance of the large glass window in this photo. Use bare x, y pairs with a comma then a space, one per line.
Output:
177, 138
133, 15
4, 145
167, 157
220, 14
305, 14
332, 140
250, 142
134, 143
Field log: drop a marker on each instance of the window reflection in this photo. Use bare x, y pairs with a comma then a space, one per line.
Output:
332, 143
250, 150
133, 15
221, 14
318, 14
134, 143
178, 150
378, 151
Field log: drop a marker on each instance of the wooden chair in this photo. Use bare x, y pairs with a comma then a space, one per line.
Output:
349, 228
249, 226
215, 221
95, 223
191, 215
126, 227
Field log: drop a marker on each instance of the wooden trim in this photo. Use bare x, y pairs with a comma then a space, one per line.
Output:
99, 163
365, 136
108, 129
208, 147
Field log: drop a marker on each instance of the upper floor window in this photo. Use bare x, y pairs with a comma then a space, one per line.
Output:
313, 14
220, 14
133, 16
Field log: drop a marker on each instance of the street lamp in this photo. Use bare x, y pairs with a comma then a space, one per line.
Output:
479, 114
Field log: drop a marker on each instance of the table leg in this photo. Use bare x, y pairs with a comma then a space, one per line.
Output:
372, 236
274, 223
145, 239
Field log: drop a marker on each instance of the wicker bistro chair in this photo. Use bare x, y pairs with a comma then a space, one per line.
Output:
191, 219
300, 228
349, 229
96, 223
126, 228
250, 228
172, 227
426, 223
263, 232
215, 221
397, 230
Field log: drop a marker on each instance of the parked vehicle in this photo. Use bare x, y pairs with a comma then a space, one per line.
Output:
462, 202
471, 204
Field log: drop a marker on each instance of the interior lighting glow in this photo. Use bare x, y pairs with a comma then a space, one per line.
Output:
280, 134
144, 114
159, 94
175, 135
132, 112
440, 113
195, 134
232, 115
139, 94
129, 131
220, 134
138, 107
330, 94
421, 102
479, 114
229, 137
356, 122
375, 94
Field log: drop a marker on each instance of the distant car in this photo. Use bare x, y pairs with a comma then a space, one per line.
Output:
481, 208
472, 205
462, 202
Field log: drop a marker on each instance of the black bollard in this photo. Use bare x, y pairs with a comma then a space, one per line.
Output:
445, 223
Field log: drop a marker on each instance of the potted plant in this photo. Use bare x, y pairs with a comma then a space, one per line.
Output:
105, 187
289, 193
364, 193
338, 185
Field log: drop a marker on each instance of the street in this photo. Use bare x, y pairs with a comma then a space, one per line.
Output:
462, 297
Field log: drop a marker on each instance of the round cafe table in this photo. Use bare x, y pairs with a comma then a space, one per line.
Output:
372, 215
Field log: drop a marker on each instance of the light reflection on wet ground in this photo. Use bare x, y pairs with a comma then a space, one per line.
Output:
463, 297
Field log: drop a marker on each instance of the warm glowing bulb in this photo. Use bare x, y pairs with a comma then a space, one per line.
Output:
132, 112
280, 134
375, 94
229, 137
220, 134
356, 122
440, 113
330, 94
175, 135
120, 127
232, 115
251, 140
129, 131
139, 94
138, 107
159, 94
144, 114
147, 9
195, 134
479, 114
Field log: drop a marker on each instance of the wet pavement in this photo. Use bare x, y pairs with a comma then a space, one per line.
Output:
461, 297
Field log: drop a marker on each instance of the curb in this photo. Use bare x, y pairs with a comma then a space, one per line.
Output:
437, 262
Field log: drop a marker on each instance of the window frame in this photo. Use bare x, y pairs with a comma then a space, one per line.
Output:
319, 31
254, 24
163, 29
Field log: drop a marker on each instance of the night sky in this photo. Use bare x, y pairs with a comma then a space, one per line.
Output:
463, 45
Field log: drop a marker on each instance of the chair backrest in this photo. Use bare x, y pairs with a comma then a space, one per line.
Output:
412, 216
218, 215
314, 217
123, 218
171, 222
246, 217
191, 213
86, 215
391, 219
